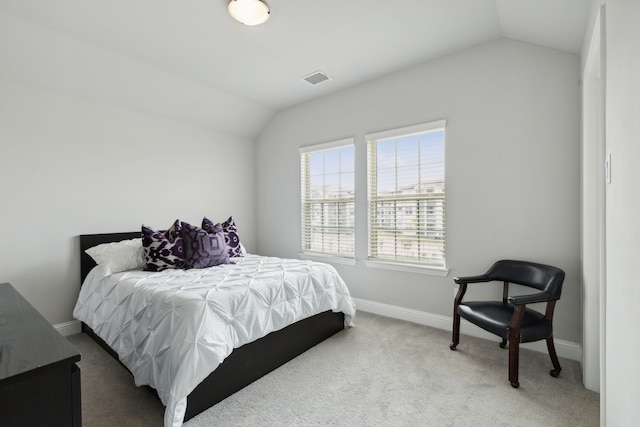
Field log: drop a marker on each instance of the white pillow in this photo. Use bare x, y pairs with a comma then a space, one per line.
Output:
119, 256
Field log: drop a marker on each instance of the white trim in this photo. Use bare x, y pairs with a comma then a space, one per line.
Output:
567, 349
328, 145
593, 223
327, 258
593, 53
410, 268
406, 131
69, 328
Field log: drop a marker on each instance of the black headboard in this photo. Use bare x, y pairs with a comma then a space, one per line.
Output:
90, 240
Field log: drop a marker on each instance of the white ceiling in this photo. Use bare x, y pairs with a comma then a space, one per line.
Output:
256, 71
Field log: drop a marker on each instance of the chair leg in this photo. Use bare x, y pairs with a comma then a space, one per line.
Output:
503, 344
554, 358
514, 344
514, 358
456, 317
455, 340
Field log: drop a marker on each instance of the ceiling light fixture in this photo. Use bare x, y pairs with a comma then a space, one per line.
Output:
249, 12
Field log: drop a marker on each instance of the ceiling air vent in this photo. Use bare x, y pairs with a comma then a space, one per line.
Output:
315, 78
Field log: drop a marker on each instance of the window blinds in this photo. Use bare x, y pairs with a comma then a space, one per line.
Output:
328, 198
406, 189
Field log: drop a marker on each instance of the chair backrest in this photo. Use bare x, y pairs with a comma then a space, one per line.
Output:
543, 277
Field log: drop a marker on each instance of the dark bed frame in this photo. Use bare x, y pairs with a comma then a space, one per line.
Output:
245, 364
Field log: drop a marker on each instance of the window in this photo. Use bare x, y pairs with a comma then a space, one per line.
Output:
406, 190
328, 202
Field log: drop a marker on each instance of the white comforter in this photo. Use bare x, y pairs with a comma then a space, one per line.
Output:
173, 328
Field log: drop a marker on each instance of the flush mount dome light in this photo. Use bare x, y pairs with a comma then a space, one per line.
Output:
249, 12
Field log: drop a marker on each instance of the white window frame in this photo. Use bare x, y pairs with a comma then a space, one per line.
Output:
397, 260
308, 251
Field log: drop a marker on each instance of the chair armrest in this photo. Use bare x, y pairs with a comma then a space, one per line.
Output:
472, 279
529, 299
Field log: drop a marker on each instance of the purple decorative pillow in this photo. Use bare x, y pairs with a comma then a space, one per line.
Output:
163, 250
203, 248
230, 235
174, 233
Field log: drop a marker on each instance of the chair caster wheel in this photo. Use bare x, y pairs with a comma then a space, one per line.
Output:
554, 373
453, 347
503, 344
515, 385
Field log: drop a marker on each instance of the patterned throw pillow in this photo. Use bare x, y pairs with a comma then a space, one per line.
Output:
231, 237
163, 250
174, 233
203, 248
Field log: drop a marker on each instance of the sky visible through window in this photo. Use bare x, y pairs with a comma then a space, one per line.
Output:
406, 161
328, 201
407, 197
332, 173
402, 163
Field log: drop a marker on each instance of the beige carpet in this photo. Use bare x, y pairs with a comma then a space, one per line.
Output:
382, 372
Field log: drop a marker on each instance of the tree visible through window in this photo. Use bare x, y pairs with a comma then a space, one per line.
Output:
407, 195
328, 198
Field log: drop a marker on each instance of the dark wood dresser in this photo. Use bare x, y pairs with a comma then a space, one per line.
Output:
39, 378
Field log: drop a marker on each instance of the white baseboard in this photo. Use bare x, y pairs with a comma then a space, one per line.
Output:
567, 349
68, 328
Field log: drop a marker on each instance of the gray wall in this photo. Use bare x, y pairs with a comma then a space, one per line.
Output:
512, 156
70, 164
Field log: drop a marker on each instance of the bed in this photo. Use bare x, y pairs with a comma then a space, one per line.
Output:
192, 380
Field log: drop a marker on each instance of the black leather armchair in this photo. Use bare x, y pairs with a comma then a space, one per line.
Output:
510, 318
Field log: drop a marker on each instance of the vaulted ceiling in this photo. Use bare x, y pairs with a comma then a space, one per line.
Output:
190, 60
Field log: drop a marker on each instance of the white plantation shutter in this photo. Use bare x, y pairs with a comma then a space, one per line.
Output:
328, 198
407, 195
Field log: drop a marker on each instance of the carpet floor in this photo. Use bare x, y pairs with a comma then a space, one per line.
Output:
382, 372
